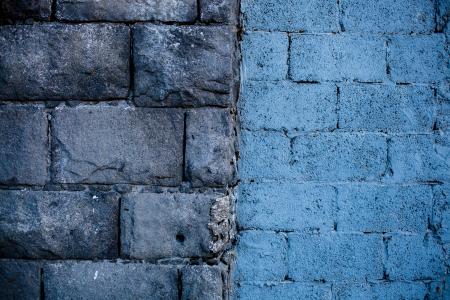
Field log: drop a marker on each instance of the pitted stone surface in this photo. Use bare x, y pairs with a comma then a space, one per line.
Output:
202, 282
182, 66
61, 61
20, 280
24, 9
224, 11
37, 224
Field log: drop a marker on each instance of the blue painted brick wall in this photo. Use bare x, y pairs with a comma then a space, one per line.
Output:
344, 151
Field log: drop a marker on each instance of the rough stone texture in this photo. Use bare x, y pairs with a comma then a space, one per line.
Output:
117, 145
441, 212
25, 9
61, 61
19, 280
284, 291
223, 11
109, 280
156, 226
202, 282
385, 291
126, 10
188, 66
210, 159
36, 224
23, 144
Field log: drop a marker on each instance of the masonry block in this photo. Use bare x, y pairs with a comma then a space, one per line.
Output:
339, 156
443, 15
264, 154
261, 257
222, 11
182, 66
441, 211
338, 57
25, 9
109, 280
202, 282
20, 280
385, 291
443, 115
156, 226
286, 206
380, 208
284, 291
24, 145
291, 15
335, 257
287, 105
210, 153
414, 257
39, 224
418, 59
419, 158
387, 16
126, 10
98, 144
265, 56
62, 61
386, 108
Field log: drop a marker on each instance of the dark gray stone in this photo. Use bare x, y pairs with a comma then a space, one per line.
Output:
127, 10
19, 280
118, 145
202, 283
223, 11
107, 280
35, 224
182, 66
23, 145
210, 159
61, 61
25, 9
155, 226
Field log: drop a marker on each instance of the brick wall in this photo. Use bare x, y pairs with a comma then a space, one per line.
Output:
345, 165
117, 148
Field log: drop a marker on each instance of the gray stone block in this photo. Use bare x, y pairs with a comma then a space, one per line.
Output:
210, 158
182, 66
117, 145
19, 280
61, 61
202, 283
37, 224
25, 9
222, 11
108, 280
156, 226
23, 145
126, 10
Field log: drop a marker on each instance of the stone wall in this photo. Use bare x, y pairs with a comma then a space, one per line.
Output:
117, 148
344, 155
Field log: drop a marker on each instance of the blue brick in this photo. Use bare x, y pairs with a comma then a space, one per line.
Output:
261, 257
288, 105
414, 257
388, 16
419, 158
291, 15
335, 257
338, 57
286, 206
264, 154
284, 291
385, 291
377, 208
339, 156
386, 108
265, 56
443, 114
443, 15
418, 59
441, 211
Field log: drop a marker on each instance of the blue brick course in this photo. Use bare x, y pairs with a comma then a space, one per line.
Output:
285, 291
385, 291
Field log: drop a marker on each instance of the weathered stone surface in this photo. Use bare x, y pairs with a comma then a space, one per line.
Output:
182, 66
38, 224
24, 9
118, 145
61, 61
107, 280
126, 10
224, 11
210, 159
23, 145
19, 280
155, 226
202, 282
